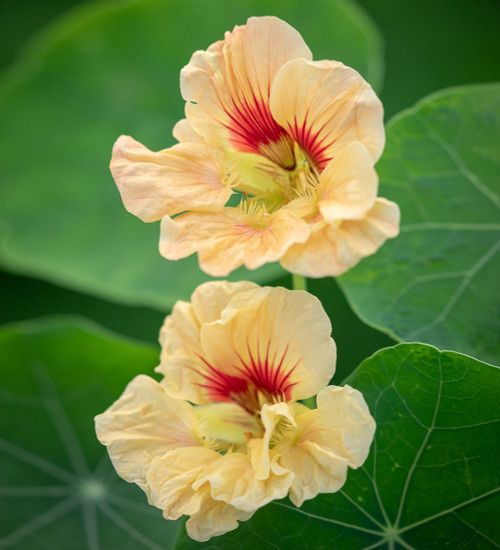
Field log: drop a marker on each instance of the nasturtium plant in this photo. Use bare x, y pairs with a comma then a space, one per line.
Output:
438, 282
431, 479
58, 487
109, 70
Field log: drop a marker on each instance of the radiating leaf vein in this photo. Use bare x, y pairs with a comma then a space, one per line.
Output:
329, 520
448, 510
60, 420
42, 520
129, 529
37, 462
421, 449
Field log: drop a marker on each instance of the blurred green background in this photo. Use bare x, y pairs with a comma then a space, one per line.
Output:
428, 45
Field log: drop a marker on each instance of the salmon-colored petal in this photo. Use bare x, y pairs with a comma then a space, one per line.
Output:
214, 518
265, 343
326, 441
143, 423
174, 486
316, 445
187, 176
323, 106
348, 186
231, 238
333, 249
210, 299
232, 480
180, 336
341, 424
274, 418
183, 132
270, 343
316, 470
227, 87
170, 479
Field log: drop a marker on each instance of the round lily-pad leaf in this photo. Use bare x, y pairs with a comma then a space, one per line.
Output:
431, 480
59, 489
438, 281
112, 69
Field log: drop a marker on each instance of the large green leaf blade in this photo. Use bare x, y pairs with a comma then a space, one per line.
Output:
431, 480
110, 70
58, 487
438, 281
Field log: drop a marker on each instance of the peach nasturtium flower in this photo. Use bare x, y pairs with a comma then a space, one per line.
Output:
222, 434
274, 161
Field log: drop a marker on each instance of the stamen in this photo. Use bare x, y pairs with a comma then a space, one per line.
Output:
253, 208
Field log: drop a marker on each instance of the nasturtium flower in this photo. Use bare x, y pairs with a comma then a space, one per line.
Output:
275, 160
223, 433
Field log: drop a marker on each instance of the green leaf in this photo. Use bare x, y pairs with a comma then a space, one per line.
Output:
111, 70
438, 281
58, 487
431, 480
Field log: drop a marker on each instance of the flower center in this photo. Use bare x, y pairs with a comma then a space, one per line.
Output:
268, 186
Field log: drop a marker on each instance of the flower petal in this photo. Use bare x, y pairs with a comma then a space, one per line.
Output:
342, 424
170, 480
348, 185
333, 249
214, 518
316, 470
231, 238
183, 132
318, 445
227, 87
324, 106
142, 424
232, 479
174, 486
180, 336
187, 176
270, 343
272, 416
261, 341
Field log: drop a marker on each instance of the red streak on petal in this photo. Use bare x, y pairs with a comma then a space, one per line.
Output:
311, 143
252, 128
257, 376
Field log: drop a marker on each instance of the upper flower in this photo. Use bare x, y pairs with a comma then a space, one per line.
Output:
274, 161
222, 434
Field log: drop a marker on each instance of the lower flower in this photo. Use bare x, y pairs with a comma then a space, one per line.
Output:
224, 432
218, 463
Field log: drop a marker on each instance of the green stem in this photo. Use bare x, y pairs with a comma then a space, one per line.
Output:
299, 282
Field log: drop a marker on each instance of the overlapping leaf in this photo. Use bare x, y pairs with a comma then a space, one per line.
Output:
438, 281
58, 487
431, 480
111, 70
